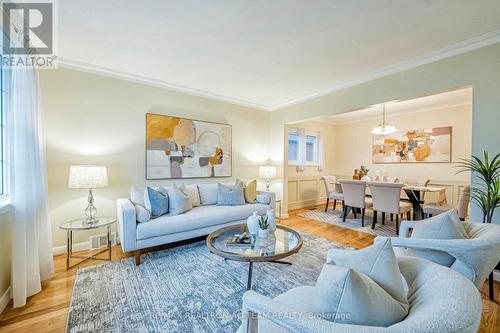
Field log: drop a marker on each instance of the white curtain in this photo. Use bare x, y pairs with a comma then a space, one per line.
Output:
32, 260
321, 154
301, 166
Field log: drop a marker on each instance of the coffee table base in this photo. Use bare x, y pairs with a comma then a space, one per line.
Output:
250, 270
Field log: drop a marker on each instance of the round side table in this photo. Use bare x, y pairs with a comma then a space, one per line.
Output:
82, 224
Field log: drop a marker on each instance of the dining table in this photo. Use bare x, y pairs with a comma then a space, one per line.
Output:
415, 197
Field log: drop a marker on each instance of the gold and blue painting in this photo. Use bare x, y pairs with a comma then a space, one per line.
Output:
185, 148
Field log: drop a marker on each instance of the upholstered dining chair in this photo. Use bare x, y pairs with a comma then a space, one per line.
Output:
333, 191
386, 199
431, 287
355, 197
475, 257
441, 205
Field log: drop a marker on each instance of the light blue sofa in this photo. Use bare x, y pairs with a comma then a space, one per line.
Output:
441, 300
166, 229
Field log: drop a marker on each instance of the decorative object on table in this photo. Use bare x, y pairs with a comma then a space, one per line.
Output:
186, 148
82, 224
413, 146
89, 177
264, 226
383, 128
271, 219
486, 191
384, 176
377, 176
363, 171
253, 223
243, 239
356, 176
366, 178
267, 172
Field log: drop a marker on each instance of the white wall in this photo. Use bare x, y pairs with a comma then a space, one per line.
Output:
92, 119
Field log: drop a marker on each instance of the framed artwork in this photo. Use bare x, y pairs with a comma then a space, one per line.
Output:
413, 146
186, 148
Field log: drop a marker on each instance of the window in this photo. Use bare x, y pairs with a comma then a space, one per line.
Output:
295, 142
312, 148
293, 146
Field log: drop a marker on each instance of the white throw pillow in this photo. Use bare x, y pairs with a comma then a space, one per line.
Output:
344, 295
179, 201
378, 262
194, 195
142, 214
208, 194
137, 195
443, 226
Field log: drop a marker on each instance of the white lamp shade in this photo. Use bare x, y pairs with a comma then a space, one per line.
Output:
88, 176
267, 172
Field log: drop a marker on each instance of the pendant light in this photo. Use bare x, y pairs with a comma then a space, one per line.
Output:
383, 128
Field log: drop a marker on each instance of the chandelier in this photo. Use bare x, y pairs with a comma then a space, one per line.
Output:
383, 128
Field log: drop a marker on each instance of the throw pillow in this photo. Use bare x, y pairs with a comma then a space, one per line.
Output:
249, 190
443, 226
194, 195
208, 194
263, 199
230, 195
179, 201
156, 202
137, 195
142, 214
344, 295
378, 262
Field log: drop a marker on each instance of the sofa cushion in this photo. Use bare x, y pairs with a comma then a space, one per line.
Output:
156, 201
194, 195
230, 195
208, 194
443, 226
249, 190
179, 200
347, 296
196, 218
137, 195
142, 214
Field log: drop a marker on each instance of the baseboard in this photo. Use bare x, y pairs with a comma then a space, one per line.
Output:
76, 247
5, 299
308, 203
283, 216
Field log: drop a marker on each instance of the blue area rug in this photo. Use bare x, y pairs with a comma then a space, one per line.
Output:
184, 289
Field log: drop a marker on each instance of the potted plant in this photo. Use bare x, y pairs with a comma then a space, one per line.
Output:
486, 192
264, 226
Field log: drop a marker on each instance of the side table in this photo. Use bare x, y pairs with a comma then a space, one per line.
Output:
82, 224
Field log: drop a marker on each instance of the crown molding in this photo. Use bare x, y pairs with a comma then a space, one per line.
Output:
474, 43
100, 70
489, 38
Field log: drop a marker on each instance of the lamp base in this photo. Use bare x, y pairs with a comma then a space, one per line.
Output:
91, 211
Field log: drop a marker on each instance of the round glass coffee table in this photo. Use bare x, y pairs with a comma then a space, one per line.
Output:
281, 243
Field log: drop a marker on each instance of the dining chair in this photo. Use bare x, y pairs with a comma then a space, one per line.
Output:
442, 206
355, 198
333, 191
386, 199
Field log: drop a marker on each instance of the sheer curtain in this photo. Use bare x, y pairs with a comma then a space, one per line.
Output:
32, 260
301, 166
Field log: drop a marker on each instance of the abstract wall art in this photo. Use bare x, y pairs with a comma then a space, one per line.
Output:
186, 148
413, 146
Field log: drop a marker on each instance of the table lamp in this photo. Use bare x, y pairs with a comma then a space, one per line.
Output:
91, 177
267, 172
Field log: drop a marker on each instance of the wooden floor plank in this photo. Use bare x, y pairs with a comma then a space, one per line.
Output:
47, 311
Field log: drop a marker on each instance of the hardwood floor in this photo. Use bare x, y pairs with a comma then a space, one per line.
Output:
47, 311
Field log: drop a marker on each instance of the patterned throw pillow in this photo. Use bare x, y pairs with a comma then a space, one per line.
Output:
156, 202
230, 195
179, 200
249, 190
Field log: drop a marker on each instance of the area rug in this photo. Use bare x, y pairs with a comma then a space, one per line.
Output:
184, 289
387, 230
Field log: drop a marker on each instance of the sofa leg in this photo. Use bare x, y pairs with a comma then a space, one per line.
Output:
137, 254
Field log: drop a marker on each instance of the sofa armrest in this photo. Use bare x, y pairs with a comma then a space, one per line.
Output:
272, 197
127, 224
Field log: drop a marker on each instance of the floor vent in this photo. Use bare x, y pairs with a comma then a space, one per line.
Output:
101, 240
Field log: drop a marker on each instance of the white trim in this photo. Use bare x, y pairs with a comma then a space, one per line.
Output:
95, 69
474, 43
5, 299
76, 247
496, 276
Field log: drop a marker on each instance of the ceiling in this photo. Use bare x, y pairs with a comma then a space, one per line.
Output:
422, 104
267, 54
